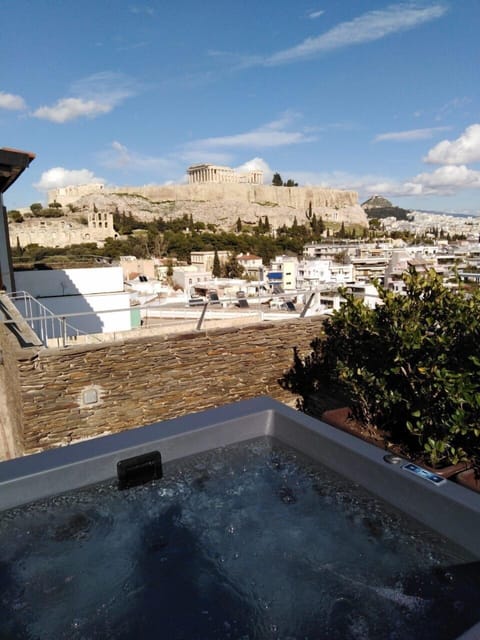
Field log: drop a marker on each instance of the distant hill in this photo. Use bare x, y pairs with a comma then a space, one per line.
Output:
380, 207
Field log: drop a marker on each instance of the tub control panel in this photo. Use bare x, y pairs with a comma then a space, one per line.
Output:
424, 473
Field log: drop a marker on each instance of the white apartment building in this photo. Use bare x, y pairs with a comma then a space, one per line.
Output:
282, 273
314, 273
252, 265
188, 276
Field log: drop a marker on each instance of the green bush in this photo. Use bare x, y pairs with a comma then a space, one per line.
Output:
15, 215
409, 367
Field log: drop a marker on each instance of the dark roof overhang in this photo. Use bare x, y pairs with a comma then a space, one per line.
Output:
12, 163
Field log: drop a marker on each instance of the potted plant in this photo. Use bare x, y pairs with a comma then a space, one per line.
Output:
407, 369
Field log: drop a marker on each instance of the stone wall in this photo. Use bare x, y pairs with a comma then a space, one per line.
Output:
11, 434
140, 381
61, 232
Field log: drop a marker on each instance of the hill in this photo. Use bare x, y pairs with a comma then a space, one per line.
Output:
379, 207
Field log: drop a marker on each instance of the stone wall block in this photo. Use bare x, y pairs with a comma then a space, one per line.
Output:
145, 380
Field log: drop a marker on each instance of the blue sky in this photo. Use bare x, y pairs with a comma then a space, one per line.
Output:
373, 96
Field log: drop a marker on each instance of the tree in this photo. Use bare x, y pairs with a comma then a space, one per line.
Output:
55, 205
232, 268
36, 207
238, 225
342, 233
290, 183
277, 180
216, 269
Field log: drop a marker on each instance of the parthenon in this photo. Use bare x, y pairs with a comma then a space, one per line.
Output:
210, 173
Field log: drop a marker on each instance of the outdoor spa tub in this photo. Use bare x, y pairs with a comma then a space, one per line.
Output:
247, 521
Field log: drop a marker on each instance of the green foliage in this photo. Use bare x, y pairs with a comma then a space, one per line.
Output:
36, 207
216, 268
15, 215
290, 183
277, 180
49, 212
55, 205
232, 268
408, 367
388, 212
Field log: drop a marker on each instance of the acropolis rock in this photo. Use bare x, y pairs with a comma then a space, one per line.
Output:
220, 204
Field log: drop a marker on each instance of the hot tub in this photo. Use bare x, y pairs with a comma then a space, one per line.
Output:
205, 532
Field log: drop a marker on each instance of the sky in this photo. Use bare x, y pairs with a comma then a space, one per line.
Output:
377, 97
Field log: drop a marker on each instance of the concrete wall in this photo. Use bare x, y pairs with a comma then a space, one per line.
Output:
65, 282
89, 292
149, 379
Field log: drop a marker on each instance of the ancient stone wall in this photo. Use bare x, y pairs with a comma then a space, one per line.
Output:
140, 381
61, 232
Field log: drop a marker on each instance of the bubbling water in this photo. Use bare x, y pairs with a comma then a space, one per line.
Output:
250, 541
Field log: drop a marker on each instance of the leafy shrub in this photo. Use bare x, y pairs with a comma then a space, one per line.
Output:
15, 215
409, 367
49, 212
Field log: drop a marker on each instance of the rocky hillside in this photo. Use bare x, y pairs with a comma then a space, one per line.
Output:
222, 213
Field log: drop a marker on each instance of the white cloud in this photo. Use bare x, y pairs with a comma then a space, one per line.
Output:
313, 15
257, 163
368, 27
270, 135
11, 102
95, 95
196, 156
118, 156
463, 150
448, 180
452, 106
71, 108
412, 134
142, 9
60, 177
443, 181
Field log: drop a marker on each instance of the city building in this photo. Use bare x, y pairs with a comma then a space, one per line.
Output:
252, 265
315, 273
204, 259
282, 274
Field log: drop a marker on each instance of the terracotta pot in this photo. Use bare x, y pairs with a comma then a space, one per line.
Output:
340, 418
469, 479
337, 418
451, 470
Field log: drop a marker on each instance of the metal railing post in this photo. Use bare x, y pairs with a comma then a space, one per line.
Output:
202, 316
307, 305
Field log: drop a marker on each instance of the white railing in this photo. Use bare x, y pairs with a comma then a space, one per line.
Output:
42, 320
